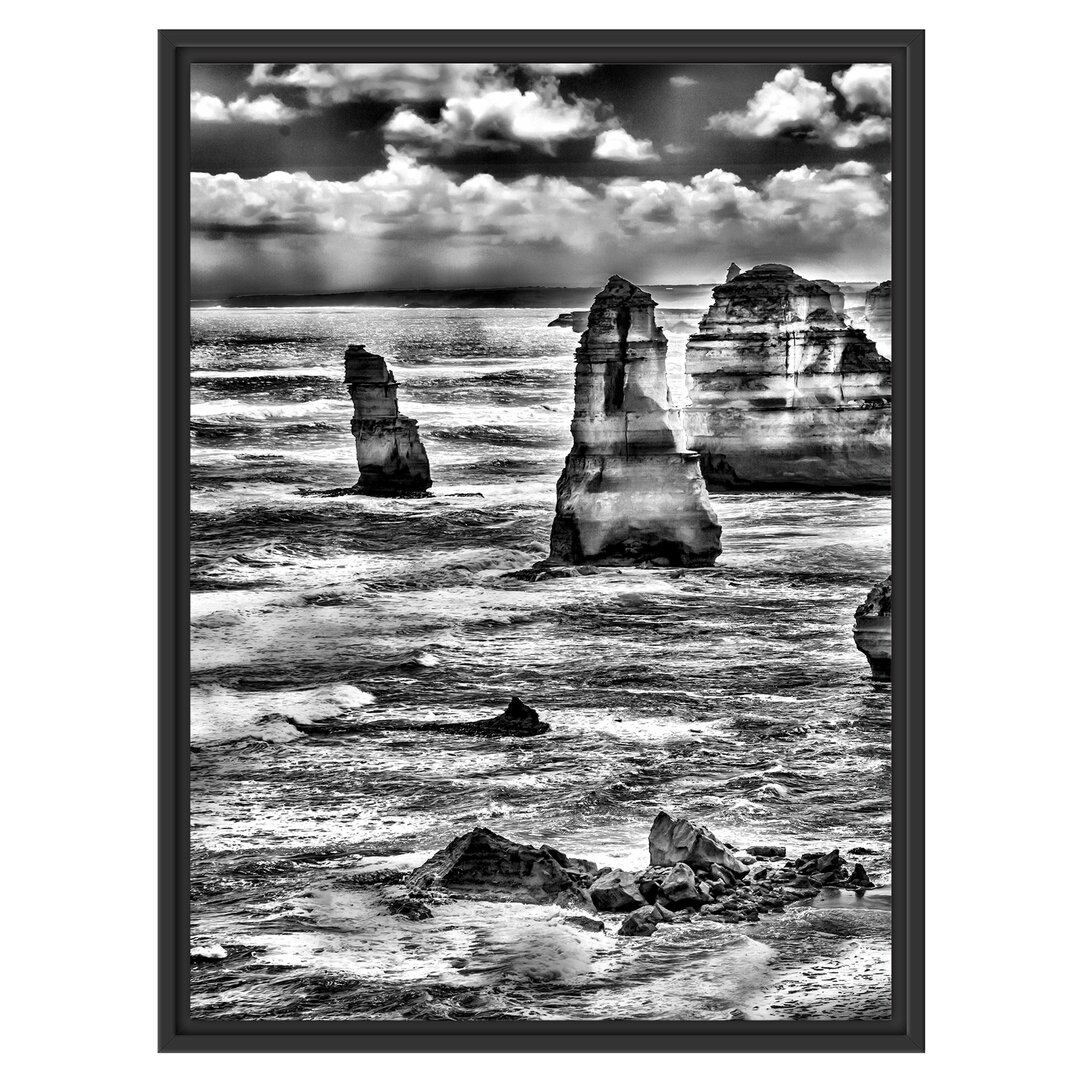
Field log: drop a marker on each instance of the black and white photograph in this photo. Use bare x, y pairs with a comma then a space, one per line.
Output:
541, 541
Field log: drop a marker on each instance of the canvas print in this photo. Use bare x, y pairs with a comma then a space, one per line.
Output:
540, 522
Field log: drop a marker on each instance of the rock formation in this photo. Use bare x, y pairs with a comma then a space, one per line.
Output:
483, 865
836, 296
516, 720
389, 452
733, 271
877, 317
873, 629
630, 491
783, 392
577, 320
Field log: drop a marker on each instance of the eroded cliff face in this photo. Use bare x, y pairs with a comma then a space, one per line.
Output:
877, 317
873, 629
631, 491
783, 393
389, 453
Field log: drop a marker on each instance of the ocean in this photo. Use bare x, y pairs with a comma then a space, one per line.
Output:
733, 695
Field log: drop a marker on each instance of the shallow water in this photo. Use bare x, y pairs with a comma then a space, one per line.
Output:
733, 695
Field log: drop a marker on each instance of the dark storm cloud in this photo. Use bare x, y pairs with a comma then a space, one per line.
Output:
399, 175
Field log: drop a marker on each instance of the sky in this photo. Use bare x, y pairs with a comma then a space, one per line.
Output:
339, 177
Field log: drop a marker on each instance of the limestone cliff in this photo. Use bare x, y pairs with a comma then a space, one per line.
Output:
877, 317
733, 271
783, 393
574, 320
389, 452
873, 629
630, 491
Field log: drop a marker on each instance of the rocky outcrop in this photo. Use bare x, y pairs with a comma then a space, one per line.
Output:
575, 320
631, 491
677, 840
783, 393
836, 296
483, 865
873, 629
516, 720
877, 317
389, 452
733, 271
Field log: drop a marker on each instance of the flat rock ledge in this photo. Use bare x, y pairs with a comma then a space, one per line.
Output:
691, 875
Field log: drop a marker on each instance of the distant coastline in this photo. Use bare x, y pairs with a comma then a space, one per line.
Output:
564, 297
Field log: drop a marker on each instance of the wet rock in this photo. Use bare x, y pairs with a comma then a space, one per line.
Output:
616, 890
680, 889
861, 851
630, 492
783, 392
860, 879
594, 926
644, 921
410, 908
768, 851
483, 865
389, 453
873, 629
516, 719
575, 898
678, 840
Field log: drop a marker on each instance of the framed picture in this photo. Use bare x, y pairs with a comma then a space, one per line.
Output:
541, 547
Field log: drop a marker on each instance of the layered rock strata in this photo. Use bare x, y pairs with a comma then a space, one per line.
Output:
389, 453
631, 491
877, 317
873, 629
783, 393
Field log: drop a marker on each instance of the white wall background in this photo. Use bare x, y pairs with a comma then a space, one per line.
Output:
79, 340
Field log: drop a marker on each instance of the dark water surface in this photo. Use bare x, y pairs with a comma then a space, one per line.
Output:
733, 695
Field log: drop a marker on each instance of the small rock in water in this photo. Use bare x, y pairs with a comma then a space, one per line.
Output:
674, 841
644, 921
594, 926
411, 909
861, 851
860, 879
767, 851
680, 889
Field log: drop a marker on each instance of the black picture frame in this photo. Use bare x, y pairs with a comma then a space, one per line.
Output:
904, 49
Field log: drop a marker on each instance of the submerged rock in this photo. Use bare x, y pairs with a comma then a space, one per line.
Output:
873, 629
783, 392
630, 491
594, 926
516, 719
483, 865
389, 453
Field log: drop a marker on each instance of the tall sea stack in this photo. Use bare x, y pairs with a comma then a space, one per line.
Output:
631, 491
389, 452
877, 318
873, 629
783, 393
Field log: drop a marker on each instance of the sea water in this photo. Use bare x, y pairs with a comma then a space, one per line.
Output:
732, 695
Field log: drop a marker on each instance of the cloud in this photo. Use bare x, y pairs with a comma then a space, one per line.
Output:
498, 117
616, 144
682, 80
866, 84
793, 105
266, 109
560, 69
334, 84
413, 221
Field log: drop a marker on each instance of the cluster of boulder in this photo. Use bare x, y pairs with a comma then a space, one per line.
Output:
690, 874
